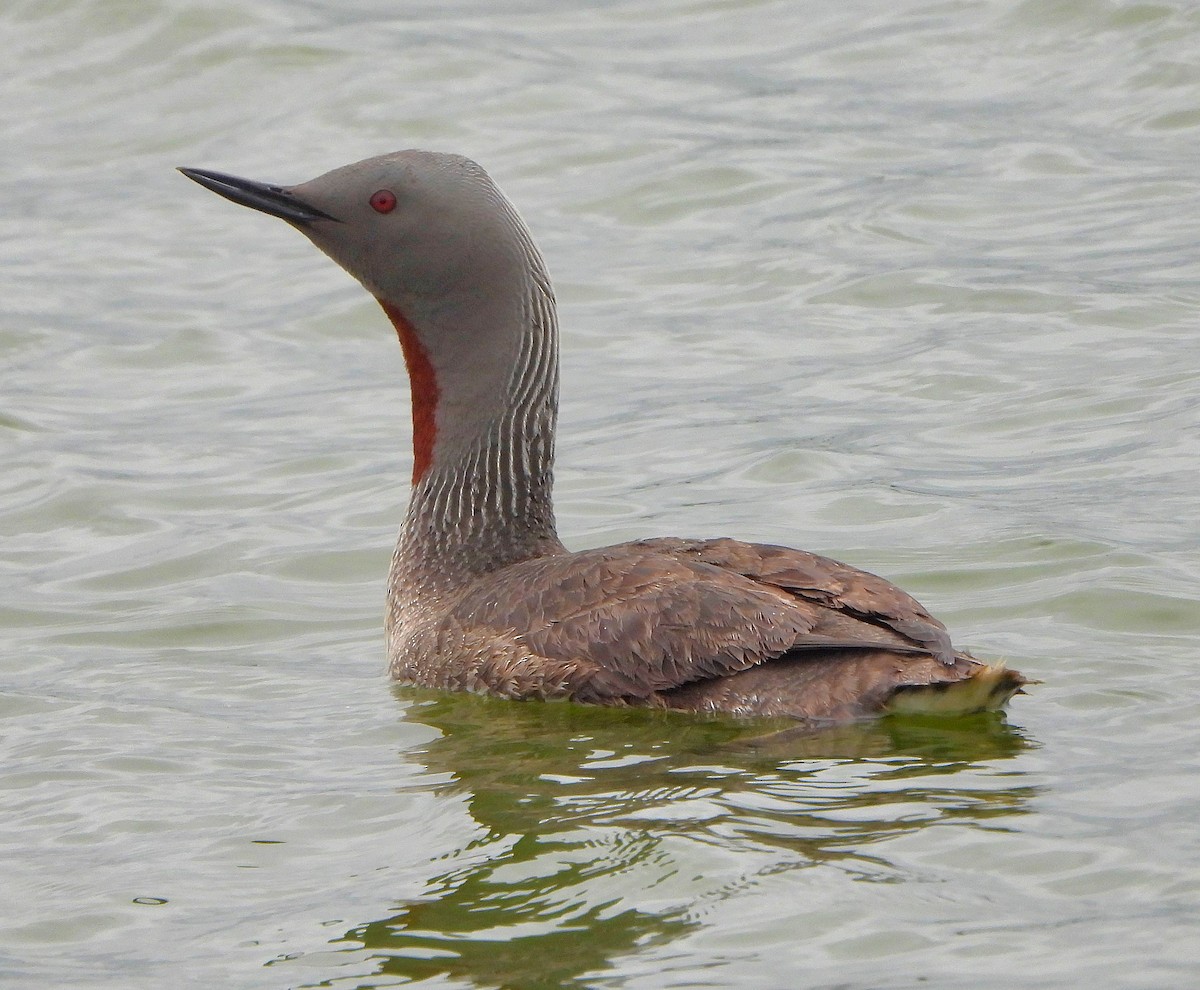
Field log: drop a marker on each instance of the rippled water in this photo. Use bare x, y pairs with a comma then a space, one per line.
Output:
913, 284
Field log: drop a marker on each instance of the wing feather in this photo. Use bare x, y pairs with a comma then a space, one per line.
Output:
627, 622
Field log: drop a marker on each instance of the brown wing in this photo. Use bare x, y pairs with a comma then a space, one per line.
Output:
630, 621
847, 592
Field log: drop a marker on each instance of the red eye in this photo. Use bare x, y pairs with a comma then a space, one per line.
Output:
383, 201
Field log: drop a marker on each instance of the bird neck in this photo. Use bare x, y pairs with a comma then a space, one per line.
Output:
483, 451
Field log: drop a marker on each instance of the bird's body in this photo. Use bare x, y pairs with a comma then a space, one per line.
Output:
482, 594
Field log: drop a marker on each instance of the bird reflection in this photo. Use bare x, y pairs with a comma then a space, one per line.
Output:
608, 830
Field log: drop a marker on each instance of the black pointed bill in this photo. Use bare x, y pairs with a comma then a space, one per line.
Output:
278, 201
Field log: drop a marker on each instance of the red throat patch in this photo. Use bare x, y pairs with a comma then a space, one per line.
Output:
424, 387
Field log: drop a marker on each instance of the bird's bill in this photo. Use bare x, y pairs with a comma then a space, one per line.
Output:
278, 201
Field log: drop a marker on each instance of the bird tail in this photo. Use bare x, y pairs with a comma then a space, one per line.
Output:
987, 688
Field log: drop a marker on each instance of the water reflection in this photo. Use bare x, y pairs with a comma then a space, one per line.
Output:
605, 832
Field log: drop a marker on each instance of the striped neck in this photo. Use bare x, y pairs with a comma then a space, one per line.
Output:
482, 477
